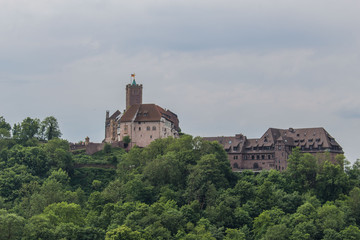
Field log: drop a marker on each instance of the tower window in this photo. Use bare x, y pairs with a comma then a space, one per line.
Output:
148, 128
153, 128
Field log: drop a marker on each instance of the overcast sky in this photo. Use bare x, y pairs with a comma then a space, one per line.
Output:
224, 67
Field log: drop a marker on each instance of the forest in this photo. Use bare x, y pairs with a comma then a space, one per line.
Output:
173, 189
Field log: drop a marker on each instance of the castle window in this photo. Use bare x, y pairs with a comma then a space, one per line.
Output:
252, 157
139, 128
257, 157
269, 157
150, 136
154, 128
235, 157
236, 165
262, 156
235, 148
148, 128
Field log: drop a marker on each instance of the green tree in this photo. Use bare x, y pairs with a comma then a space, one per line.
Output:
35, 158
301, 170
11, 225
123, 232
208, 171
39, 227
107, 148
166, 169
4, 128
65, 213
12, 179
330, 217
28, 129
126, 140
277, 232
234, 234
265, 220
353, 202
331, 181
49, 128
350, 233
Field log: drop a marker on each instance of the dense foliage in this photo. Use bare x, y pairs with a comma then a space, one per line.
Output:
173, 189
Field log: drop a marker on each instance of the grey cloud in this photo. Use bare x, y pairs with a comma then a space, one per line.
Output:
223, 67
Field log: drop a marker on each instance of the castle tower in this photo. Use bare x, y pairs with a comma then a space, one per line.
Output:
133, 93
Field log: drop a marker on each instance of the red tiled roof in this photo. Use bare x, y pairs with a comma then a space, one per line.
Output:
148, 113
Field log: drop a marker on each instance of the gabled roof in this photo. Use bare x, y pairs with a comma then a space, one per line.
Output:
115, 115
300, 137
148, 113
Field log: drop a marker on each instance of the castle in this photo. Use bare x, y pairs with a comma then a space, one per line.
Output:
272, 150
142, 123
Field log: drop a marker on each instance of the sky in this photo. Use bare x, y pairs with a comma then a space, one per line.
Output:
225, 67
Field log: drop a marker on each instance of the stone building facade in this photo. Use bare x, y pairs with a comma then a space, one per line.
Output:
112, 127
133, 94
143, 123
272, 150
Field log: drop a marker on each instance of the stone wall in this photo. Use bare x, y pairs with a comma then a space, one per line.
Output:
92, 148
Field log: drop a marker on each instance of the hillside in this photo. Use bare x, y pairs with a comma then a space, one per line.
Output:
173, 189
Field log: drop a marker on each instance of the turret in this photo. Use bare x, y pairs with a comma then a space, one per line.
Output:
133, 93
